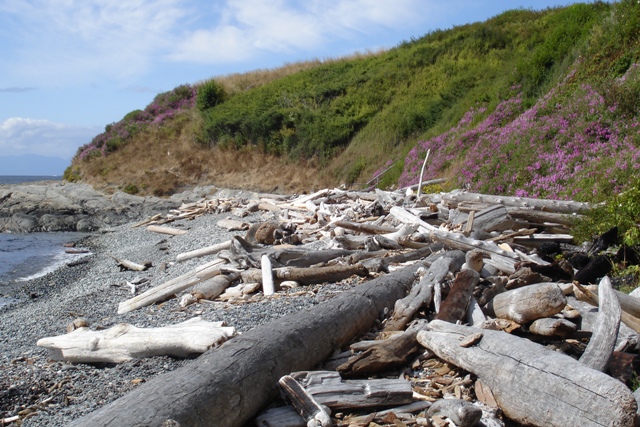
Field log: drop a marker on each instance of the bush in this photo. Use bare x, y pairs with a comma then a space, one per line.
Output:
209, 94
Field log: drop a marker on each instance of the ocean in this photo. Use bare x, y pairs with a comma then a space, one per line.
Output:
30, 255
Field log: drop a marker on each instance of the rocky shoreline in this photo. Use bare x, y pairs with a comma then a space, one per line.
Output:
65, 206
47, 393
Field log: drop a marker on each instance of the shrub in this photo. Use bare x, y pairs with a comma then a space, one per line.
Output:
209, 94
131, 189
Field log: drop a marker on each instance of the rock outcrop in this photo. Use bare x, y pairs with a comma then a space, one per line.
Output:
63, 206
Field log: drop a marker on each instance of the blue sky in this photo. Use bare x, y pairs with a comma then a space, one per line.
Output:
69, 67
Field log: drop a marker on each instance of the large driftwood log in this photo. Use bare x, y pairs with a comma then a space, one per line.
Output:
307, 276
529, 303
605, 333
125, 342
239, 378
557, 206
532, 384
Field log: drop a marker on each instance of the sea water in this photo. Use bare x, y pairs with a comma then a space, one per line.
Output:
26, 256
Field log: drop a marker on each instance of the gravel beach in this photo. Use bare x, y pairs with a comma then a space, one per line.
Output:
50, 393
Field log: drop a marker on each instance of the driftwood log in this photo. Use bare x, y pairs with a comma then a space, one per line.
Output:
529, 303
236, 380
532, 384
125, 342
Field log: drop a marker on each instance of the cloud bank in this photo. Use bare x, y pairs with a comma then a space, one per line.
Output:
32, 136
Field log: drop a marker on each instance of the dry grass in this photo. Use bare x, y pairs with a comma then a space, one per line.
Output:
240, 82
161, 163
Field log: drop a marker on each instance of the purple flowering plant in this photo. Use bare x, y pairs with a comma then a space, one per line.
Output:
164, 107
574, 143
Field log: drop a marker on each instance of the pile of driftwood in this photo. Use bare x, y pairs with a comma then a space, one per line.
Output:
474, 310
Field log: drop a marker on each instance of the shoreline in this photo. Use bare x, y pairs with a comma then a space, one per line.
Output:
93, 291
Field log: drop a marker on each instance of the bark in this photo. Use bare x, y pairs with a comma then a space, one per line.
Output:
454, 307
532, 384
239, 378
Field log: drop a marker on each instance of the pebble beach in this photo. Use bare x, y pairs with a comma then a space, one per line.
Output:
53, 393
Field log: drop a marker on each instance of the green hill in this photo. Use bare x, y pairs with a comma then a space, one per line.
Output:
541, 103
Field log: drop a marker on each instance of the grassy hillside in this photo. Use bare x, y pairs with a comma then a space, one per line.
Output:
540, 103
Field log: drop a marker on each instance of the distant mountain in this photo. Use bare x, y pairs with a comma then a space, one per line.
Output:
30, 164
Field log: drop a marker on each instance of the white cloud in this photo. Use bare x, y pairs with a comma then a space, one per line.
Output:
34, 136
67, 40
251, 27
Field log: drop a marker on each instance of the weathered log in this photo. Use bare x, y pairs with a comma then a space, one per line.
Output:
421, 294
475, 316
532, 384
529, 303
605, 333
125, 342
233, 225
166, 230
307, 276
454, 307
172, 286
557, 206
239, 378
493, 218
541, 217
328, 388
209, 250
312, 412
628, 303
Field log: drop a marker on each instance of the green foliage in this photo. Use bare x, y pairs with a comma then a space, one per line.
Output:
355, 170
209, 94
131, 189
71, 174
622, 210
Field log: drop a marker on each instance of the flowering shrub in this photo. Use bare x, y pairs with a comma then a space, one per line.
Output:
164, 106
570, 144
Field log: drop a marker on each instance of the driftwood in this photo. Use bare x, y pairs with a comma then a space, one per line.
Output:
166, 230
125, 264
268, 287
209, 289
531, 384
421, 294
307, 276
329, 389
382, 355
506, 260
171, 287
209, 250
125, 342
557, 206
605, 333
454, 307
221, 385
282, 416
304, 403
529, 303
